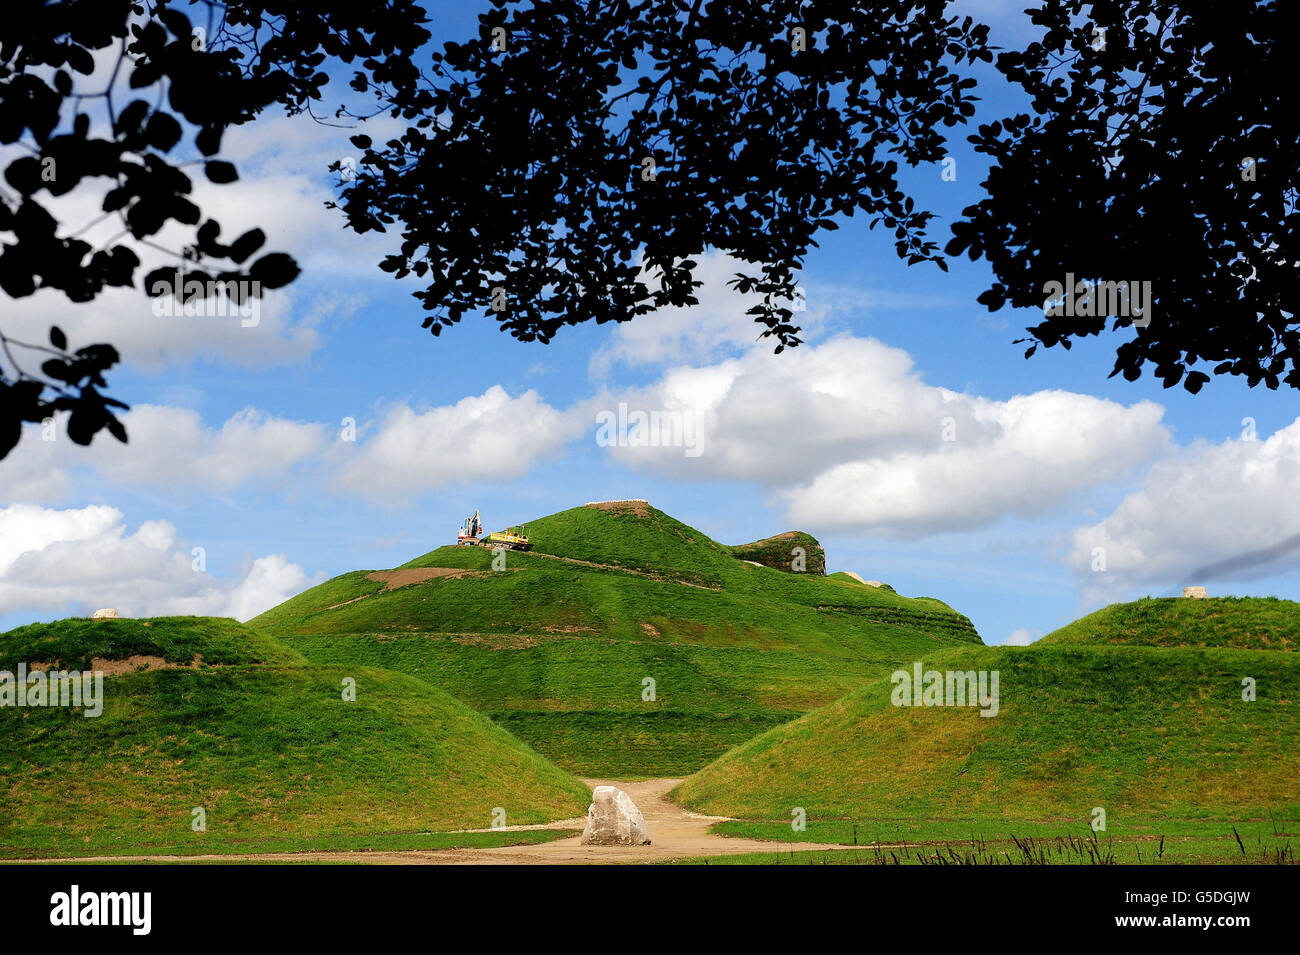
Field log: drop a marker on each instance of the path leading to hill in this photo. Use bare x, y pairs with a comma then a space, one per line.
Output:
675, 833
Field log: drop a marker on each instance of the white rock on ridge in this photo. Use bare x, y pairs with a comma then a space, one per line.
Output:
614, 820
108, 613
859, 578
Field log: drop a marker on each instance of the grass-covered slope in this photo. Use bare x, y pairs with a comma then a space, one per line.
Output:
270, 750
779, 552
559, 645
856, 580
1140, 731
633, 535
74, 643
1247, 623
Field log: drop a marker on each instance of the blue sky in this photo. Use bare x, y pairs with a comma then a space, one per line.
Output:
236, 445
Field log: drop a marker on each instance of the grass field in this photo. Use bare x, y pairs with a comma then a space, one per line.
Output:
1125, 840
1233, 846
196, 844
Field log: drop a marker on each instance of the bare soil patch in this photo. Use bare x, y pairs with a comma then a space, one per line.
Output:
140, 661
135, 663
637, 507
392, 579
405, 576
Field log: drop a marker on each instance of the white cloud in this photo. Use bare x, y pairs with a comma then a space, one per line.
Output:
1029, 454
29, 475
86, 559
286, 331
169, 447
26, 529
848, 436
491, 436
283, 188
720, 326
1022, 637
1209, 512
779, 419
268, 582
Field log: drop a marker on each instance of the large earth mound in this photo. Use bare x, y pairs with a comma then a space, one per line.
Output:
625, 642
1247, 623
205, 713
1144, 732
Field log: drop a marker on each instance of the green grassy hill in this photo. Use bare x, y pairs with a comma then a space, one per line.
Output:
1158, 736
265, 745
1247, 623
557, 647
74, 643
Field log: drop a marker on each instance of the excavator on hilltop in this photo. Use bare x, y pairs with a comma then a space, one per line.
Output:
471, 534
471, 529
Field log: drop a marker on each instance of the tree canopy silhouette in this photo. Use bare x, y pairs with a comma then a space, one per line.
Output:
584, 154
1162, 145
572, 161
190, 74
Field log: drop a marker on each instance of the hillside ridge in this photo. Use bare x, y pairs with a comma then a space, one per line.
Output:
1246, 623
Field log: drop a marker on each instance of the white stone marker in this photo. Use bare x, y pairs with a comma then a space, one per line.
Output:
614, 820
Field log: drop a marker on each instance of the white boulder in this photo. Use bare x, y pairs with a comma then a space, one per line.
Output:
108, 613
614, 820
860, 579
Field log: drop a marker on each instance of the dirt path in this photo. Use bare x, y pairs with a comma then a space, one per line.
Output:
404, 577
676, 833
662, 578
